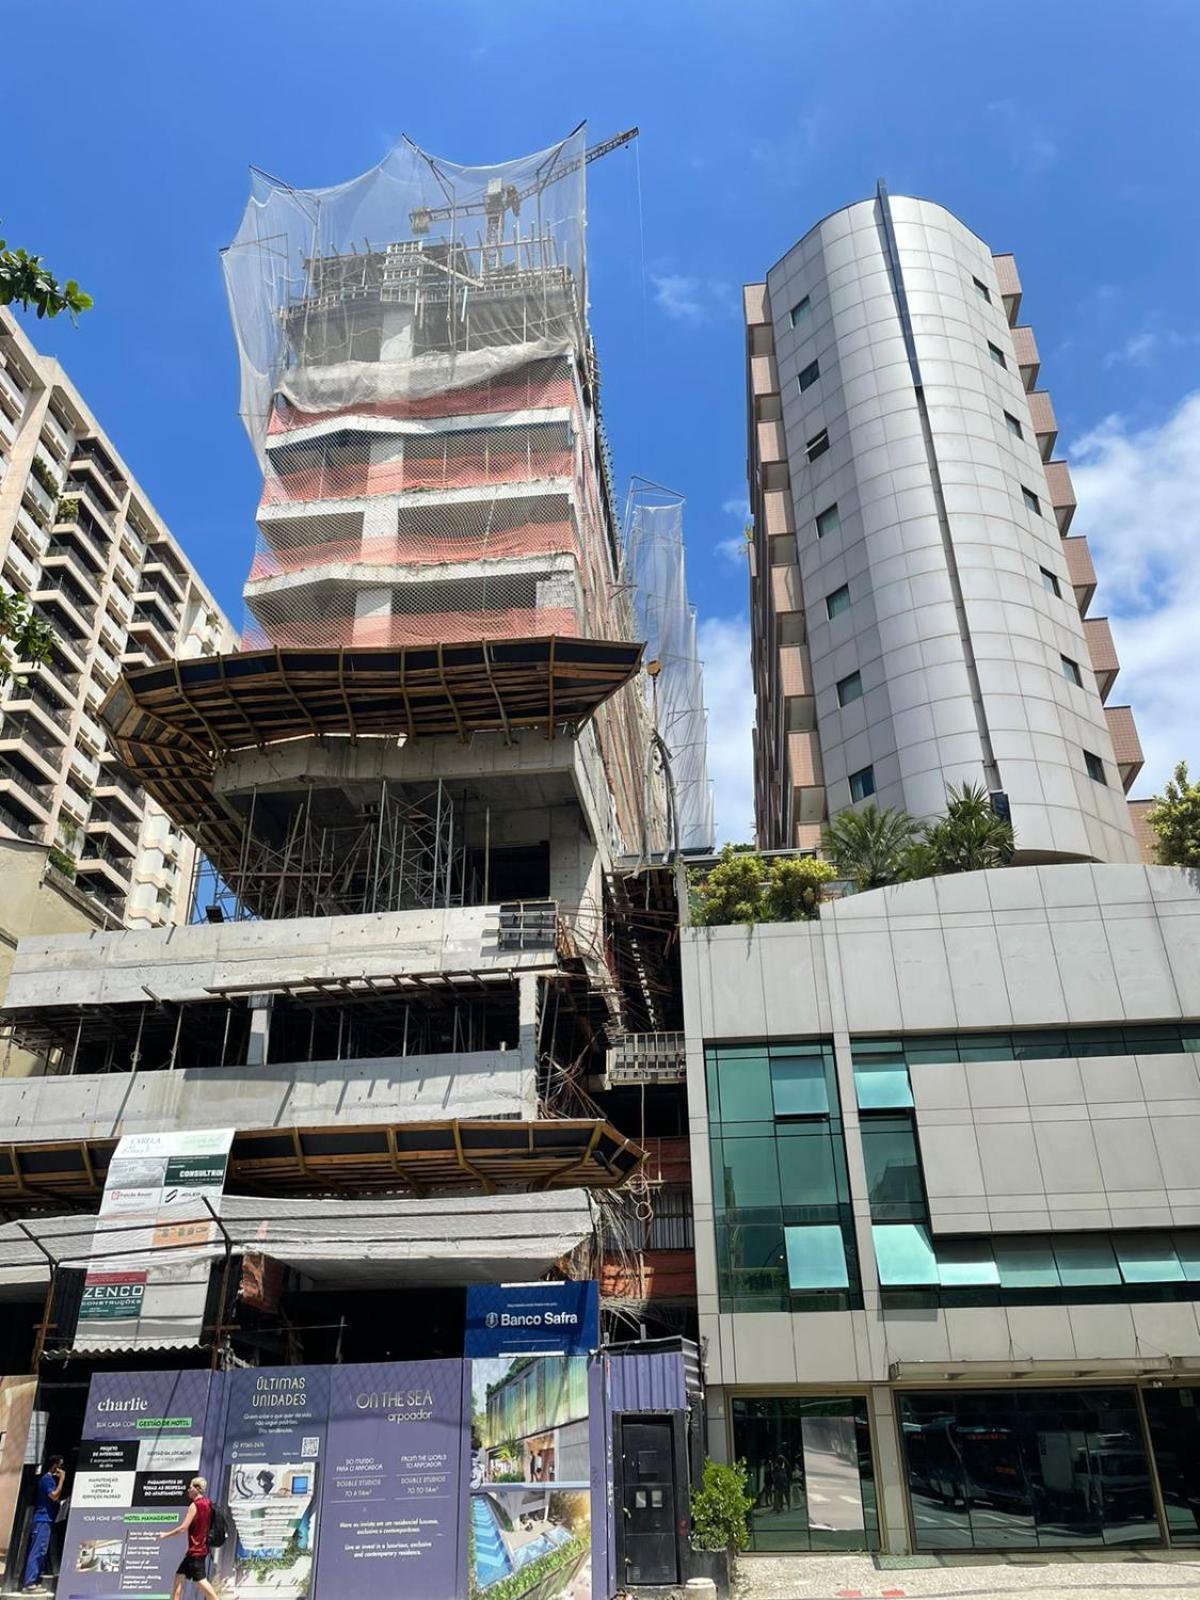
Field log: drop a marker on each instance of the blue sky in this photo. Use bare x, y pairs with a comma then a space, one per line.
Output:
1066, 132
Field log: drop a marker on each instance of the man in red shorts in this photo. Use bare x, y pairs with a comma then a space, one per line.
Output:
197, 1520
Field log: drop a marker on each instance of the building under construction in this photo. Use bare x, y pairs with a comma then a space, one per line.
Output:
430, 985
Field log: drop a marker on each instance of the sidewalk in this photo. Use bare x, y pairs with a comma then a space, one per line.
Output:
1045, 1574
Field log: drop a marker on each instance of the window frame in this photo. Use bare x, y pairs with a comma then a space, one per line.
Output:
801, 311
1014, 425
997, 355
808, 375
1095, 768
842, 596
1050, 582
823, 527
1032, 501
817, 446
1070, 670
852, 681
868, 774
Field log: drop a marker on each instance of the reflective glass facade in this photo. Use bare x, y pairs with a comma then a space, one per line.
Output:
808, 1461
1173, 1416
1027, 1468
781, 1197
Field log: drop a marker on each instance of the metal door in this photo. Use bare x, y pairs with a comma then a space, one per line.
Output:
648, 1500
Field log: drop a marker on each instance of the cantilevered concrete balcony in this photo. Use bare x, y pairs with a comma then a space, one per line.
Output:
764, 377
807, 777
1045, 423
1102, 653
1026, 350
754, 303
1062, 493
795, 670
1081, 570
786, 594
777, 513
1010, 284
1127, 747
771, 443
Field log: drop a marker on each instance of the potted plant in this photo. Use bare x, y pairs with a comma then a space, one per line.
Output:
720, 1508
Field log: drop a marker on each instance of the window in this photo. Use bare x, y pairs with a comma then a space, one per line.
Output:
904, 1254
828, 520
790, 627
816, 1257
1050, 582
1095, 767
984, 292
1032, 503
997, 355
1070, 671
801, 311
894, 1185
817, 445
966, 1263
798, 1086
849, 689
862, 783
1026, 1264
1084, 1262
837, 602
1030, 1044
670, 1225
1147, 1258
1019, 1467
809, 376
1014, 427
881, 1076
807, 1457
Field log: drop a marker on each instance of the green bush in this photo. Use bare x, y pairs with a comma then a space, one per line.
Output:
64, 862
744, 888
720, 1508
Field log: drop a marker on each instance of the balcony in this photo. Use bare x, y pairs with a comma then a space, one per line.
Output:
150, 597
777, 513
76, 528
91, 735
112, 632
62, 558
1062, 493
771, 444
12, 821
786, 594
754, 303
29, 533
94, 870
40, 499
89, 461
1102, 653
113, 789
112, 834
764, 376
12, 395
27, 696
125, 574
1127, 747
30, 748
55, 437
135, 659
1045, 423
1026, 351
22, 571
165, 577
1080, 570
105, 669
1009, 282
147, 629
84, 767
61, 686
84, 489
795, 671
32, 799
65, 607
807, 776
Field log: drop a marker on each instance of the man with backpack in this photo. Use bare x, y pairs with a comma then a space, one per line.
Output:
205, 1528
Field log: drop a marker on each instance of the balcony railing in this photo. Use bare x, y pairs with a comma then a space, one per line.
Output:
18, 825
9, 774
12, 389
81, 487
26, 693
87, 456
58, 551
110, 784
23, 567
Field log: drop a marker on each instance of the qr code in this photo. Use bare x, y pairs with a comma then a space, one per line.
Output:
310, 1447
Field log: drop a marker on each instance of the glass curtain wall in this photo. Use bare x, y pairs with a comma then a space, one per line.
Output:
808, 1463
785, 1234
1030, 1468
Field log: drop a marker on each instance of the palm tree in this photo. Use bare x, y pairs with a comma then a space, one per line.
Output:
969, 838
869, 846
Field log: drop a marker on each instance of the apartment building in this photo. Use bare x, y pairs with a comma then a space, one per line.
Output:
80, 538
920, 605
943, 1136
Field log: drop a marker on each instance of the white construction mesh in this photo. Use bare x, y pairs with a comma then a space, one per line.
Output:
418, 384
654, 563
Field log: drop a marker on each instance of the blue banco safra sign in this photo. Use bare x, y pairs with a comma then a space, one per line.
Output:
526, 1319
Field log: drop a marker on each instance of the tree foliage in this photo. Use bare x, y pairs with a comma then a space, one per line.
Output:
869, 846
1174, 817
25, 281
969, 838
742, 887
23, 635
720, 1508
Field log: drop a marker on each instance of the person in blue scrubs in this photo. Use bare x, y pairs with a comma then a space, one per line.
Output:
49, 1493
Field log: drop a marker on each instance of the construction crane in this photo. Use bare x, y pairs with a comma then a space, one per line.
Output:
502, 198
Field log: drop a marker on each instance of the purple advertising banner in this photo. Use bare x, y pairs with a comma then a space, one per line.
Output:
143, 1440
269, 1480
391, 1501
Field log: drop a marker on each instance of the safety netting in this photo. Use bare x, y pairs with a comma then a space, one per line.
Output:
654, 564
418, 382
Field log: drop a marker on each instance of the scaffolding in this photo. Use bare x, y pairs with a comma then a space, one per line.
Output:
654, 570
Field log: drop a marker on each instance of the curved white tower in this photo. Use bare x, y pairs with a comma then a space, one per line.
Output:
918, 608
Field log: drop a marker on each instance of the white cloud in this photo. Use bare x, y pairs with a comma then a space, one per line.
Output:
694, 300
1143, 349
1139, 504
729, 696
737, 506
1030, 147
733, 550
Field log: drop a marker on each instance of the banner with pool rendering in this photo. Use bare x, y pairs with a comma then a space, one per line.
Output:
447, 1479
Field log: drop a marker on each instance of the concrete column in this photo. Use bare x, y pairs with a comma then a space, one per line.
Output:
527, 1018
890, 1493
718, 1427
260, 1029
